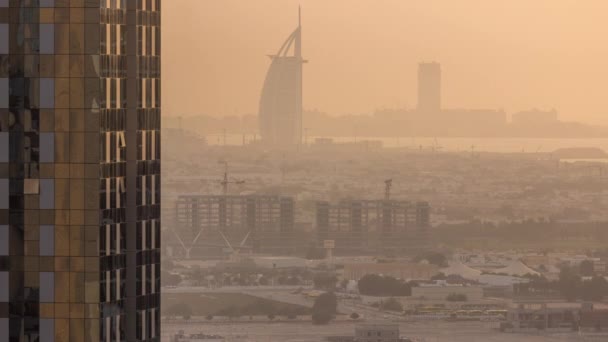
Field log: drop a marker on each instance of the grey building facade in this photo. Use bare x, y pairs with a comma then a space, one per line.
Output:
79, 170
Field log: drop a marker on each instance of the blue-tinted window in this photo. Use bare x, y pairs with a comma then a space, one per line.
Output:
47, 240
47, 38
3, 38
4, 287
47, 287
4, 147
47, 330
47, 93
47, 194
3, 321
3, 92
47, 148
47, 3
3, 240
4, 194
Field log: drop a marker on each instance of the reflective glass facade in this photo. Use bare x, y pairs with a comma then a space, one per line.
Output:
79, 170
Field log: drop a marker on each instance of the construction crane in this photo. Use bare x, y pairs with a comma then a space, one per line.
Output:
387, 189
436, 147
225, 182
234, 252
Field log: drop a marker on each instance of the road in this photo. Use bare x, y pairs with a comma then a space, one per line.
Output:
304, 331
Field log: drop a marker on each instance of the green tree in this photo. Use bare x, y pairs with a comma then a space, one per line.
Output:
392, 304
586, 268
569, 284
324, 308
594, 289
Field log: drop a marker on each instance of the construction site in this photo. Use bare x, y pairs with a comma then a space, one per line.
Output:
372, 226
206, 224
226, 224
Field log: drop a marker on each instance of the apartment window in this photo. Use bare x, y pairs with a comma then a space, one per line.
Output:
47, 93
4, 194
4, 287
3, 92
4, 147
47, 38
47, 194
3, 321
4, 240
47, 287
47, 330
3, 38
47, 240
47, 147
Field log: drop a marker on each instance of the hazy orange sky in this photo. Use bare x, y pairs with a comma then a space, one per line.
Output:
363, 54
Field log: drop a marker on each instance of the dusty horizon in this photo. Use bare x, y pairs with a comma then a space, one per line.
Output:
364, 55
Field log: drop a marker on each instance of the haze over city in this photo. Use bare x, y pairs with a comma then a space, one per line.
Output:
312, 171
515, 55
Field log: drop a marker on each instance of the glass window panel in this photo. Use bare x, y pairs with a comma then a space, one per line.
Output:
47, 148
47, 3
47, 194
47, 287
47, 330
4, 193
3, 92
4, 287
47, 240
76, 40
3, 147
3, 3
47, 38
47, 93
4, 240
3, 39
3, 321
47, 66
62, 37
31, 186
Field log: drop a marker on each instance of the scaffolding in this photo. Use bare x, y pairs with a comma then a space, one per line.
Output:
203, 219
363, 225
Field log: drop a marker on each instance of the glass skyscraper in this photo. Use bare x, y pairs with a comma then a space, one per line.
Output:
79, 170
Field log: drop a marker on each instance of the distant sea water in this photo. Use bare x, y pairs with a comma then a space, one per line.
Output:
502, 145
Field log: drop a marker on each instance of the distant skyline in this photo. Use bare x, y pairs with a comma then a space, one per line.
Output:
364, 54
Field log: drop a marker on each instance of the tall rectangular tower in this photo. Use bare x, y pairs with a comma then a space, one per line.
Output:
429, 87
79, 170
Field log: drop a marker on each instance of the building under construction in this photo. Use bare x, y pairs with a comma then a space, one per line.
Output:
261, 223
383, 226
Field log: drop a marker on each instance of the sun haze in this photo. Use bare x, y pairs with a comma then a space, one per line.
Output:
363, 54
